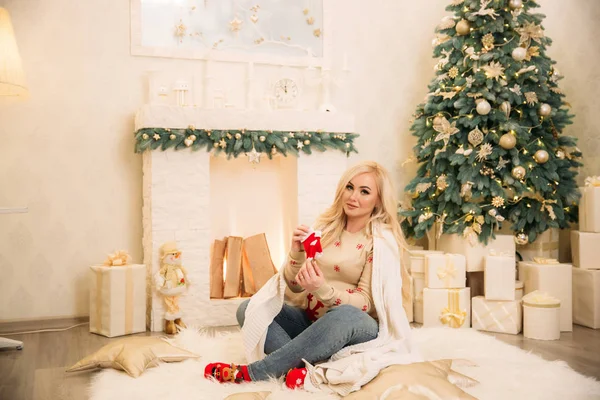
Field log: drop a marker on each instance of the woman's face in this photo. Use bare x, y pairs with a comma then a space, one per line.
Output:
360, 196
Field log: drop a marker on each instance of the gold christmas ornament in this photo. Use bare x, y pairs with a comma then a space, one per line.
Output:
453, 73
519, 54
515, 4
560, 154
506, 108
498, 201
508, 141
518, 172
463, 27
483, 107
521, 239
488, 41
545, 110
172, 136
475, 137
307, 142
238, 135
262, 138
145, 136
541, 156
285, 139
156, 136
438, 120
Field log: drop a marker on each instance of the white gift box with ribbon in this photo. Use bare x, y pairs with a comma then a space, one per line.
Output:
583, 249
589, 205
475, 251
586, 298
445, 271
499, 276
541, 316
417, 272
496, 316
117, 299
447, 307
555, 279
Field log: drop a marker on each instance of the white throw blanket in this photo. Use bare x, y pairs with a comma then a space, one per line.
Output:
353, 366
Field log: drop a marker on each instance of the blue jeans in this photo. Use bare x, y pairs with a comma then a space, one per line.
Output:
292, 337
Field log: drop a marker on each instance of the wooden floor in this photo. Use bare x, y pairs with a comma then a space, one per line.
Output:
37, 371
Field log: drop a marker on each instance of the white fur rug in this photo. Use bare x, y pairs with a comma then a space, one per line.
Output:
504, 371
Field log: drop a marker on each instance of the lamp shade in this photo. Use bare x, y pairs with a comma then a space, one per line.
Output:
12, 77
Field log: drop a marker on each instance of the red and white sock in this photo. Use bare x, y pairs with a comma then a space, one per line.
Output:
227, 372
295, 378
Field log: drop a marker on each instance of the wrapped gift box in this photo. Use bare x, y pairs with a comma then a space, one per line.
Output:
586, 297
446, 307
518, 290
589, 205
117, 299
445, 271
554, 279
545, 245
417, 259
496, 316
499, 277
476, 252
541, 316
583, 249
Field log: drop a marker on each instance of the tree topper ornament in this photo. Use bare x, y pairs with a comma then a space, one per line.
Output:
312, 245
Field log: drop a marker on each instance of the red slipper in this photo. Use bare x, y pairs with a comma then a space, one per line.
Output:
295, 378
227, 372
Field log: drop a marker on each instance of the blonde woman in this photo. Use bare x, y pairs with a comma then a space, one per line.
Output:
330, 308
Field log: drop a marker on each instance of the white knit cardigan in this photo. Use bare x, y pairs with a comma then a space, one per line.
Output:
353, 366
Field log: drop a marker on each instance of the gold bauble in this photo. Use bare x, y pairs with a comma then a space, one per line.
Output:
519, 54
545, 110
506, 108
541, 156
560, 154
521, 238
508, 141
262, 138
518, 172
463, 27
438, 120
307, 142
483, 107
514, 4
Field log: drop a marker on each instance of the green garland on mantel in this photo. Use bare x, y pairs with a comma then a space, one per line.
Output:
234, 142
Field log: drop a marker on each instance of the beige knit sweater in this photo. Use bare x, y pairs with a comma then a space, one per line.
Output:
347, 265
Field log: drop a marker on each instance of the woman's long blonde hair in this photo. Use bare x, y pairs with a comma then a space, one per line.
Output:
333, 221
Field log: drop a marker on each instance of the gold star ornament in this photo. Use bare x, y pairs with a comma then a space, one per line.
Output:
133, 355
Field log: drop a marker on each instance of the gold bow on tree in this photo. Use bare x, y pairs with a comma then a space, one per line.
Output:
118, 259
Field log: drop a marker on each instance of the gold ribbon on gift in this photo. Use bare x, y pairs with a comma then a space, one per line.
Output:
452, 315
495, 253
448, 271
128, 298
592, 181
539, 299
118, 259
546, 261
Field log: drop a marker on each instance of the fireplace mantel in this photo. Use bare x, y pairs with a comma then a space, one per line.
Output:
177, 189
175, 117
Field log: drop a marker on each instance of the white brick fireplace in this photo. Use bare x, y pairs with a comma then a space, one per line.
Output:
194, 198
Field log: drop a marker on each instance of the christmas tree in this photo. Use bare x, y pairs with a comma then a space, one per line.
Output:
490, 145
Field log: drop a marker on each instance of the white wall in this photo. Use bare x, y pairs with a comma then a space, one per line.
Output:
67, 153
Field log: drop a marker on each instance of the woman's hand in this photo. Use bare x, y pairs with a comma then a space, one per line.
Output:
310, 276
299, 233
